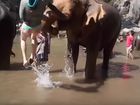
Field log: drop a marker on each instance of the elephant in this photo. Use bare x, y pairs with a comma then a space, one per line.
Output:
93, 24
7, 31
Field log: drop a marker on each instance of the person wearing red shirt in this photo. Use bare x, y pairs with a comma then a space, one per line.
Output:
129, 44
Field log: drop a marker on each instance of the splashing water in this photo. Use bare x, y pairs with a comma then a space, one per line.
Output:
43, 77
69, 67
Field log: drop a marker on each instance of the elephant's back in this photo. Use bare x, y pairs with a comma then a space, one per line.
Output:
112, 16
109, 9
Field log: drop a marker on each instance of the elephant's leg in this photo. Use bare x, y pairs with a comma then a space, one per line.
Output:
90, 69
75, 53
6, 41
106, 56
4, 58
5, 46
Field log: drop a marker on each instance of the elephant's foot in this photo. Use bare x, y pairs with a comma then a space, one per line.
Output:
90, 78
93, 80
87, 77
104, 74
99, 84
90, 74
105, 77
96, 78
5, 62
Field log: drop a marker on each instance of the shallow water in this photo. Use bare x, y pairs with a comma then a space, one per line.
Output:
17, 86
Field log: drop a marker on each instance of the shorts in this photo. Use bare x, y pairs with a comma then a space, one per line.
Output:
129, 49
25, 27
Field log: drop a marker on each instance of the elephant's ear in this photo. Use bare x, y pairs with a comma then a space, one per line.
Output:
95, 13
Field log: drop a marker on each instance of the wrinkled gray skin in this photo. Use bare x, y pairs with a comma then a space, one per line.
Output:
92, 24
7, 34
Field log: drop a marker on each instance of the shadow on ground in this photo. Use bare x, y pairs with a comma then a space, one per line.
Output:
75, 87
116, 70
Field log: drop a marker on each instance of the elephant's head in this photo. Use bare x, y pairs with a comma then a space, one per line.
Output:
51, 17
58, 10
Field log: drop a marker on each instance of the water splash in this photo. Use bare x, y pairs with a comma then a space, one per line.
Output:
43, 76
69, 67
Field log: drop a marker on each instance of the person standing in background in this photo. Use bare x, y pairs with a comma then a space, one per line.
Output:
129, 44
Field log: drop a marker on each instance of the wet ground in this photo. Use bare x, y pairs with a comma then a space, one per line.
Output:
17, 86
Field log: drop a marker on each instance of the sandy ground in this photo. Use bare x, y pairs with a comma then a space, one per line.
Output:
17, 86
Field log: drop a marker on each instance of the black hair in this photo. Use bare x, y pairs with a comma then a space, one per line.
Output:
132, 32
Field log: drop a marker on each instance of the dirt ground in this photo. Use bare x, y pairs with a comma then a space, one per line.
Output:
17, 86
